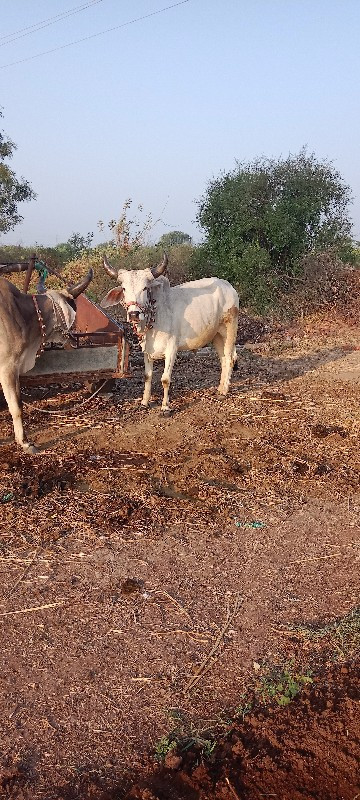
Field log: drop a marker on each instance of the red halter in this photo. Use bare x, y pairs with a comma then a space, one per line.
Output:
148, 310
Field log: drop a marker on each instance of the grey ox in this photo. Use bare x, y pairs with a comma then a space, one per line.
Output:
27, 322
171, 318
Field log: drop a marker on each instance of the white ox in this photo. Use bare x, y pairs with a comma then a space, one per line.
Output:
171, 318
27, 322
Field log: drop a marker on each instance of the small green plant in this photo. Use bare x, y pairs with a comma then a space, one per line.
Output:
279, 684
244, 707
7, 497
164, 746
177, 715
283, 685
206, 746
243, 710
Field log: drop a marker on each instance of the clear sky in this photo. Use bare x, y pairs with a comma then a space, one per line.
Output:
156, 108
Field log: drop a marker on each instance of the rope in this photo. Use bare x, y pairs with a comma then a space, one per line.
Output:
42, 327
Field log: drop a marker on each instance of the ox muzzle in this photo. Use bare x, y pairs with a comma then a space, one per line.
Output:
134, 315
141, 317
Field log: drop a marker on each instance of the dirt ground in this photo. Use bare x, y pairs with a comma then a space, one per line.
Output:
158, 575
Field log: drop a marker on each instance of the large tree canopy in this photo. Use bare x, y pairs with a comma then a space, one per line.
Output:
12, 190
174, 238
262, 218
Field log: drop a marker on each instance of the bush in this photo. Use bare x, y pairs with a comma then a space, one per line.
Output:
263, 218
325, 283
251, 275
18, 253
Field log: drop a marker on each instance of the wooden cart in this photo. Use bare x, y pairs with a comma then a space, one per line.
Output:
96, 349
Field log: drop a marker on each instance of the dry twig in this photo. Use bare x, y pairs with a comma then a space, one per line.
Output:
203, 667
32, 608
24, 574
316, 558
197, 637
232, 790
172, 599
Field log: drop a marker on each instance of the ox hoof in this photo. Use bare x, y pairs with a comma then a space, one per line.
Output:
30, 448
165, 412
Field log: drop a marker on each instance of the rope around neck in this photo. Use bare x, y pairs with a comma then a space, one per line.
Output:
42, 327
60, 325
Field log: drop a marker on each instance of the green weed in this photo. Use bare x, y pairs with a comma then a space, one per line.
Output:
282, 685
164, 746
244, 708
206, 746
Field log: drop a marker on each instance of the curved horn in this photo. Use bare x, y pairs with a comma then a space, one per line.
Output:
161, 268
109, 269
81, 286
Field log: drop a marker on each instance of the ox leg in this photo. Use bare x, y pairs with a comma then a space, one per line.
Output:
230, 355
218, 343
235, 359
170, 356
11, 388
224, 344
148, 378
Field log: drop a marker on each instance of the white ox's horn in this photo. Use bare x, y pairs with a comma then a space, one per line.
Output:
109, 269
81, 286
161, 268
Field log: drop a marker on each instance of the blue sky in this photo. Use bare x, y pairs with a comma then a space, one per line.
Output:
155, 109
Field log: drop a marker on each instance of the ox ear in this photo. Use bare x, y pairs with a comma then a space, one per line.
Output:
113, 297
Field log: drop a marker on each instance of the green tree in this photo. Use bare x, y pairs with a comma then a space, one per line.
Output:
261, 219
174, 238
12, 190
75, 247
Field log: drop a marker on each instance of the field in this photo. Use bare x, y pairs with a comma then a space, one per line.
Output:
180, 597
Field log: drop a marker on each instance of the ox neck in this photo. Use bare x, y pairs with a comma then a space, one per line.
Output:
50, 317
45, 306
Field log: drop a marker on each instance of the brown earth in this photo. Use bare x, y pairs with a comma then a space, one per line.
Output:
156, 571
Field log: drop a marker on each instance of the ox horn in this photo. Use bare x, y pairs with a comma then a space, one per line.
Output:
161, 268
81, 286
109, 269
